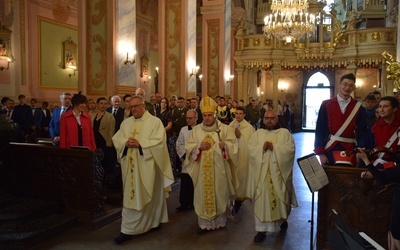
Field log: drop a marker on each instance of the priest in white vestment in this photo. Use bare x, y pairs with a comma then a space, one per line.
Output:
243, 132
269, 179
146, 171
186, 190
211, 149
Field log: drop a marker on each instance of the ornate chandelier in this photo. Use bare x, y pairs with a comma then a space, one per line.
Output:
289, 20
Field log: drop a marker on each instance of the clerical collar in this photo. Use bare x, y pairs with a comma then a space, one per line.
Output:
139, 118
209, 128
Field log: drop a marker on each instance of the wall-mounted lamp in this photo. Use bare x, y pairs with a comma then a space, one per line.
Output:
230, 79
73, 68
359, 84
200, 77
156, 70
130, 61
147, 79
8, 65
282, 87
195, 71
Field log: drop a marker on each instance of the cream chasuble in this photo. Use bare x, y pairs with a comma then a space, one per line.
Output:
242, 162
269, 179
138, 171
214, 178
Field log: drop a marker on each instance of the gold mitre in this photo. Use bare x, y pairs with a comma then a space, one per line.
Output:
208, 105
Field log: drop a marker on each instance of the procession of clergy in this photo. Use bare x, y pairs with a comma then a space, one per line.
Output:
222, 165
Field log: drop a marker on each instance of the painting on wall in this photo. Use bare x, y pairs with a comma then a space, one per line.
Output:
58, 55
5, 44
70, 54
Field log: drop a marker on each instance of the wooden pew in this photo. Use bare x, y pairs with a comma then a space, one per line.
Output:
71, 177
362, 203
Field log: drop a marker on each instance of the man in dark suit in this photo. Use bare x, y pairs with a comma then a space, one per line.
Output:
54, 126
148, 106
178, 122
37, 116
22, 115
195, 105
45, 131
158, 101
116, 111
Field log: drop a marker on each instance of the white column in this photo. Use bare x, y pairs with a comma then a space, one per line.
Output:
126, 43
191, 44
227, 47
398, 37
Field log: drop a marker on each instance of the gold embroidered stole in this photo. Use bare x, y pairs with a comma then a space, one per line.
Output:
272, 197
132, 156
207, 165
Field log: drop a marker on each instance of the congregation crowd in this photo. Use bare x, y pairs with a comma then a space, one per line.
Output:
222, 151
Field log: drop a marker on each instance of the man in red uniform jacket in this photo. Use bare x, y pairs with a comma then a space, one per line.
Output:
385, 129
332, 133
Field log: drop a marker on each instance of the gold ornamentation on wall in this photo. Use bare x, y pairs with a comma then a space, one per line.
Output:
175, 36
97, 43
101, 6
61, 11
363, 38
267, 41
256, 42
388, 36
246, 42
100, 77
344, 40
351, 39
376, 36
213, 55
392, 69
7, 19
173, 63
173, 47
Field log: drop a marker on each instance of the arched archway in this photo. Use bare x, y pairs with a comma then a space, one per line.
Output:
317, 89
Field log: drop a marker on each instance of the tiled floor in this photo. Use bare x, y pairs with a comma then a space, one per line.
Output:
180, 232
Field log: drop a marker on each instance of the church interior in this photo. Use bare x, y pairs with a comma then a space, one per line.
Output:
195, 48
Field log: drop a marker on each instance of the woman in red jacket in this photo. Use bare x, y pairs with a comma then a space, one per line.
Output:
76, 125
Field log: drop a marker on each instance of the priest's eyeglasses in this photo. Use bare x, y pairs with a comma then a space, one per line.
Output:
136, 106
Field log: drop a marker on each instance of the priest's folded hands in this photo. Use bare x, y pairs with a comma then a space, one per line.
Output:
132, 143
268, 145
205, 145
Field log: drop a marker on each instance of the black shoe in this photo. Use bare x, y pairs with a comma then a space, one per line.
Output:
155, 228
182, 208
259, 237
202, 231
122, 238
238, 204
284, 226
